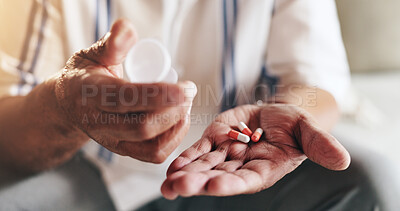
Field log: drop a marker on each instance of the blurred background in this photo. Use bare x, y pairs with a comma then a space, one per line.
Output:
371, 113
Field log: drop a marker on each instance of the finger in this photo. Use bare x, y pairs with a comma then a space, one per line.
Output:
187, 183
229, 166
158, 149
167, 186
119, 96
252, 177
214, 136
137, 126
201, 147
114, 46
223, 185
208, 160
321, 147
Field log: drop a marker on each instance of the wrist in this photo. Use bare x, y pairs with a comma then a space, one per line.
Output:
43, 101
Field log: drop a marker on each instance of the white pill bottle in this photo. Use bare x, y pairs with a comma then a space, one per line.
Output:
149, 62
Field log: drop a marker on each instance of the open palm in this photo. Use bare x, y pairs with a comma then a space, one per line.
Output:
216, 165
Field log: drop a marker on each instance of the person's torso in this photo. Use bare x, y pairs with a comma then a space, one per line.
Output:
198, 34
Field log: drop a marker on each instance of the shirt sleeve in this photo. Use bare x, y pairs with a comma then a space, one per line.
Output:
305, 46
32, 45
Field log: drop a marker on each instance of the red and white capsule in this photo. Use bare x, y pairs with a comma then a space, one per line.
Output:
257, 135
244, 129
239, 136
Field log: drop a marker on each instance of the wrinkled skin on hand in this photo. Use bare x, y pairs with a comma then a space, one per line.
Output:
216, 165
143, 121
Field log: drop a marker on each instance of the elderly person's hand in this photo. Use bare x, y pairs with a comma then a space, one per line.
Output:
219, 166
143, 121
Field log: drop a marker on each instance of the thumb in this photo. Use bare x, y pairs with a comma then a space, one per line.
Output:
114, 46
321, 147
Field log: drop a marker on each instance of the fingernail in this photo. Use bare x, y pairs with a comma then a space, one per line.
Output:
189, 90
120, 73
187, 117
120, 37
123, 35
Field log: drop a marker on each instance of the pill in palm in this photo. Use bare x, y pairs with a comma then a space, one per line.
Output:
238, 136
244, 129
257, 135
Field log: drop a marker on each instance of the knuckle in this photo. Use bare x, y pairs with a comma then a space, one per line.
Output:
122, 149
77, 60
160, 151
159, 156
145, 130
127, 127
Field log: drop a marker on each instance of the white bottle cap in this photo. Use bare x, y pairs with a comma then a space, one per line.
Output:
149, 62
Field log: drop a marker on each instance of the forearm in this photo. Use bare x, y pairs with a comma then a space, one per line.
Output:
34, 134
319, 103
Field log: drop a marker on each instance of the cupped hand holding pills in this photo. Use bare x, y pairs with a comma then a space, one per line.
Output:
219, 165
140, 118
